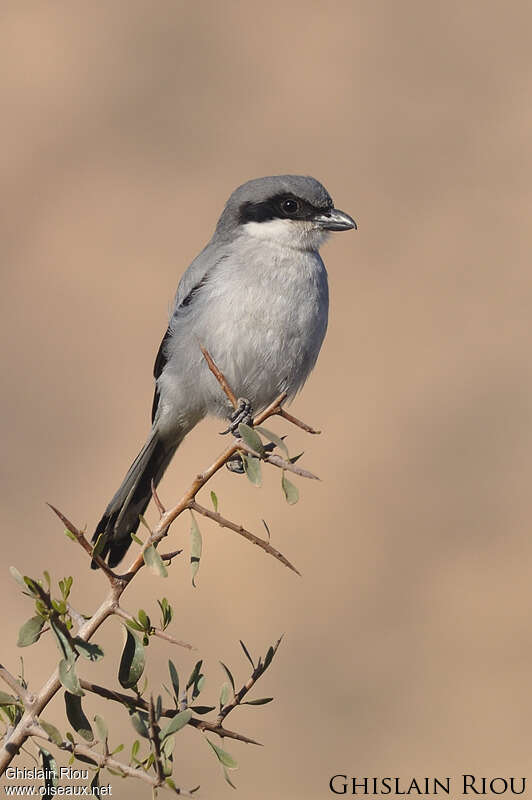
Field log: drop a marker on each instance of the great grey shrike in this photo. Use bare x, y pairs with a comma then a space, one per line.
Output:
257, 299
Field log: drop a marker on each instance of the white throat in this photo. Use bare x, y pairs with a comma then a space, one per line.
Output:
287, 233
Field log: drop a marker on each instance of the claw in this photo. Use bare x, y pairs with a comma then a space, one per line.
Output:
242, 413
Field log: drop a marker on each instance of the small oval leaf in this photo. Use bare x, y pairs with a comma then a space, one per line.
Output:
68, 677
176, 723
30, 631
272, 437
77, 718
251, 438
260, 702
153, 560
223, 757
228, 673
253, 470
291, 492
196, 547
52, 732
132, 661
139, 720
101, 728
18, 577
174, 677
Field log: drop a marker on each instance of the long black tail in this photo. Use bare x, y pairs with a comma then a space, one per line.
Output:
121, 517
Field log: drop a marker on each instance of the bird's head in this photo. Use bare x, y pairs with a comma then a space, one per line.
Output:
293, 211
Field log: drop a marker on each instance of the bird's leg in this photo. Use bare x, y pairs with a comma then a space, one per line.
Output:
242, 413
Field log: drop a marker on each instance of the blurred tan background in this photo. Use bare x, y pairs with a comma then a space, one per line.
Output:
408, 648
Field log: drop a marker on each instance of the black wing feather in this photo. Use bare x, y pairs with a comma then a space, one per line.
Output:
160, 363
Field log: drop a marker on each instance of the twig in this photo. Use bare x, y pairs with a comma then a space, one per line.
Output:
170, 556
160, 508
297, 422
226, 523
80, 538
220, 377
22, 693
118, 583
277, 461
132, 701
119, 611
154, 731
239, 696
102, 760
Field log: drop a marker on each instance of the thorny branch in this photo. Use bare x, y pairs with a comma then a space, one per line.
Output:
133, 701
35, 703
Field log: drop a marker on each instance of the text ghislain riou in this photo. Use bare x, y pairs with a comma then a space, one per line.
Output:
465, 784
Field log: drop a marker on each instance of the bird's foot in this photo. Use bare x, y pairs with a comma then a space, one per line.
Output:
242, 413
236, 462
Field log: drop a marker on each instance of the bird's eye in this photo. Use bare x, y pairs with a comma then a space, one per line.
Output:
290, 206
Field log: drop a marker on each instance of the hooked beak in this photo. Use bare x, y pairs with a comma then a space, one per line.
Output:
335, 220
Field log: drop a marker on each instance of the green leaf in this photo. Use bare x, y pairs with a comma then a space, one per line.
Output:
70, 535
89, 650
224, 695
251, 438
228, 673
198, 687
260, 702
267, 529
8, 700
84, 760
59, 606
132, 661
246, 651
51, 771
214, 501
77, 718
195, 548
253, 470
196, 672
52, 732
176, 723
202, 709
132, 623
33, 586
135, 747
136, 539
227, 778
153, 560
30, 631
65, 585
296, 458
139, 720
174, 677
18, 577
291, 492
167, 612
62, 638
223, 757
99, 544
272, 437
167, 746
68, 677
101, 728
144, 619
